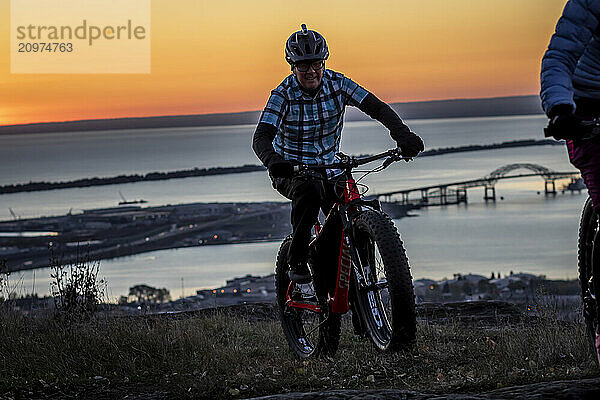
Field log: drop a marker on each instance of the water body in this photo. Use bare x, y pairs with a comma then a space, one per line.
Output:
525, 232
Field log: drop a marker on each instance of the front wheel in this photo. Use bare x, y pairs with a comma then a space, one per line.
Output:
588, 257
308, 333
385, 301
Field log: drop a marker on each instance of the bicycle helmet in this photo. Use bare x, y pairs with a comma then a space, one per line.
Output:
305, 45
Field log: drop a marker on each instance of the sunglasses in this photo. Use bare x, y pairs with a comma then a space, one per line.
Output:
316, 66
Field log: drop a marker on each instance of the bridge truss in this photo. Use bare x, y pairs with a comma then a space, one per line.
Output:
456, 192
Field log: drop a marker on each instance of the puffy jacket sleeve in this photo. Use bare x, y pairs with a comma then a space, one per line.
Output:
574, 31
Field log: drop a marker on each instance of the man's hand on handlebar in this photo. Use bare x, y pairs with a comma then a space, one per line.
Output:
410, 145
281, 169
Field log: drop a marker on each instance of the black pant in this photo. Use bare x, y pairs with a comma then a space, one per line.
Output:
308, 195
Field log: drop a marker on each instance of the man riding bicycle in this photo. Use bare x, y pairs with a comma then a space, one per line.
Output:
302, 124
570, 90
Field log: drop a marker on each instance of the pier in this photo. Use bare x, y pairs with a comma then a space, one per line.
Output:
456, 192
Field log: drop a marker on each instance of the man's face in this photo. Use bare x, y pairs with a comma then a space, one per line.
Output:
309, 73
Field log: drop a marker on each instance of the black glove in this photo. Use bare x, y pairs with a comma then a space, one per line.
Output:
410, 144
563, 123
281, 169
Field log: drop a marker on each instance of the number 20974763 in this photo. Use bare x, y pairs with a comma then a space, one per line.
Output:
45, 47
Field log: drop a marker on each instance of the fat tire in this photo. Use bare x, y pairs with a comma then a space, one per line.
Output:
585, 259
291, 322
382, 232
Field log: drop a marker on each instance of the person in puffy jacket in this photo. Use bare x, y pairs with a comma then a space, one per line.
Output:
302, 124
570, 91
570, 86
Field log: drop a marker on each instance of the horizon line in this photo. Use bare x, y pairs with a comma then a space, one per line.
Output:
248, 111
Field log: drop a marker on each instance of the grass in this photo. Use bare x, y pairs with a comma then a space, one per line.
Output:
75, 287
224, 355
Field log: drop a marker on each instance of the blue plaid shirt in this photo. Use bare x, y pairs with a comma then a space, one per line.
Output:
309, 128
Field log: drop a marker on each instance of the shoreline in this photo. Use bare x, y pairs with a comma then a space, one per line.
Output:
124, 231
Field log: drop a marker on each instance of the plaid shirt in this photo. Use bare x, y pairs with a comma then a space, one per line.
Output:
309, 129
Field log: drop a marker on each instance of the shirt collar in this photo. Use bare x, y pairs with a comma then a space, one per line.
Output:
299, 92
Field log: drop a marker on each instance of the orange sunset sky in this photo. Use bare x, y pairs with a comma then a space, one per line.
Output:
225, 56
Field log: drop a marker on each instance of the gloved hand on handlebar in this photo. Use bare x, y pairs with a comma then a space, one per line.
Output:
410, 144
563, 123
281, 169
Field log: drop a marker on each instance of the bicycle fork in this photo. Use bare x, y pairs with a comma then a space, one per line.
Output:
366, 281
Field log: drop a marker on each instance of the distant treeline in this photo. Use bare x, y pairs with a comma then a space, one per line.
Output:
116, 180
160, 176
479, 147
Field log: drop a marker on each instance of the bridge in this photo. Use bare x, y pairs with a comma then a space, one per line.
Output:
456, 192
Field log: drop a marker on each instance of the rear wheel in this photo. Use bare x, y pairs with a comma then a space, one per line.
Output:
308, 333
386, 303
589, 261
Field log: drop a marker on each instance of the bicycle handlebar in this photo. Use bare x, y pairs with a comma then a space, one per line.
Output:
350, 162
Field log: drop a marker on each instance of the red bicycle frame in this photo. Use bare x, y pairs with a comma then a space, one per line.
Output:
339, 302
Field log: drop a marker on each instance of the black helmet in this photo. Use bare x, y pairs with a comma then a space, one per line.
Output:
305, 45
